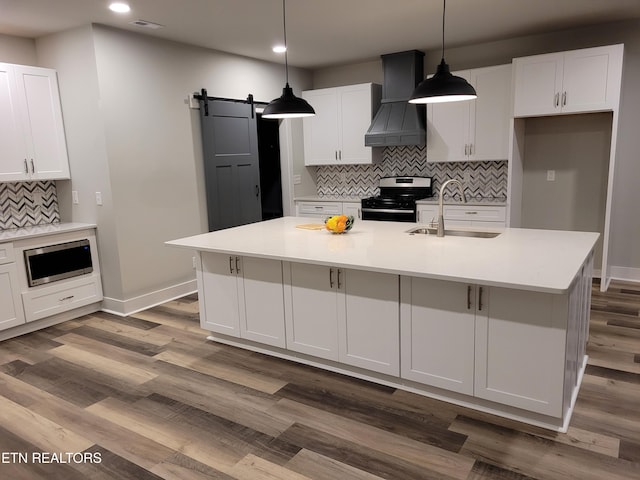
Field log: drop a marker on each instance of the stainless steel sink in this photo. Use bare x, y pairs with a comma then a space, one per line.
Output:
453, 233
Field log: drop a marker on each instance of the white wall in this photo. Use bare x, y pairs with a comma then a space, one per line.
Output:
137, 140
625, 233
17, 50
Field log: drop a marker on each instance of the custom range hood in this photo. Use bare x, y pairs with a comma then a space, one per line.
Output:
399, 122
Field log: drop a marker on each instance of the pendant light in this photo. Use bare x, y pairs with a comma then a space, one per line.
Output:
288, 105
443, 86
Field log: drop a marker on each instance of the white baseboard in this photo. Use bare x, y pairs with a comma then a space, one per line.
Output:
627, 274
148, 300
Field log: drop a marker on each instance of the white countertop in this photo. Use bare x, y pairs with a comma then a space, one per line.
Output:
13, 234
538, 260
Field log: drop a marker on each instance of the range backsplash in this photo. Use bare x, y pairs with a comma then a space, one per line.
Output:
24, 204
482, 180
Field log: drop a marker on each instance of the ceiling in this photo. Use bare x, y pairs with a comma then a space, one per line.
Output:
319, 32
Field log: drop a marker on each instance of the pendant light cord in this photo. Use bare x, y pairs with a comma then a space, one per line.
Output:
444, 8
284, 27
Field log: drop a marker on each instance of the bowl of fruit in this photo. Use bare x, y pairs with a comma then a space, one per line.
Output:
339, 223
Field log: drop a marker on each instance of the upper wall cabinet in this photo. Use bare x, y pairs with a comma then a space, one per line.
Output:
31, 128
335, 135
576, 81
475, 130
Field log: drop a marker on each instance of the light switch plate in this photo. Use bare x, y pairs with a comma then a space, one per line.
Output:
551, 175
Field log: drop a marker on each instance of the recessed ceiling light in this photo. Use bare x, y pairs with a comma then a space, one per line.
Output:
119, 7
279, 49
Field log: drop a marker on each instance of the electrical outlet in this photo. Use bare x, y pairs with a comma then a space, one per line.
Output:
297, 179
466, 177
551, 175
36, 197
98, 198
343, 177
74, 197
193, 261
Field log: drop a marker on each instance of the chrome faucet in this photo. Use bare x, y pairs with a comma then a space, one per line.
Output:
440, 231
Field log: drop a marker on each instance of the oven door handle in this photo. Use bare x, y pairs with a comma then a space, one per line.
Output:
386, 210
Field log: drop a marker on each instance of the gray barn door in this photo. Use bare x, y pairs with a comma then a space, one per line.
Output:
232, 173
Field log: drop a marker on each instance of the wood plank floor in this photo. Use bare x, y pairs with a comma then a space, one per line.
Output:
151, 398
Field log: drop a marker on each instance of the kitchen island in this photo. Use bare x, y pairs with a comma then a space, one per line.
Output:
497, 324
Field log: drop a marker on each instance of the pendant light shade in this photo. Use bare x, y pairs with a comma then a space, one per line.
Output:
443, 86
287, 105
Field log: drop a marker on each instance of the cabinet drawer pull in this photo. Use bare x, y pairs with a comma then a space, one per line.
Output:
470, 213
331, 278
480, 299
230, 264
468, 297
237, 267
339, 284
66, 298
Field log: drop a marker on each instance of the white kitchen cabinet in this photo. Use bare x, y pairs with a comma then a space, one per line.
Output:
31, 125
242, 297
520, 351
474, 216
426, 213
327, 209
335, 135
11, 312
475, 130
334, 310
576, 81
438, 333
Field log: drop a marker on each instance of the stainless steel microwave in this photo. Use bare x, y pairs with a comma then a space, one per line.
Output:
57, 262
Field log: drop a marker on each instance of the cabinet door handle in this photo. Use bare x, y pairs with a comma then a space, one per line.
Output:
466, 150
556, 99
26, 166
564, 99
33, 168
237, 267
339, 154
480, 299
339, 284
470, 149
359, 214
468, 297
230, 264
331, 278
336, 153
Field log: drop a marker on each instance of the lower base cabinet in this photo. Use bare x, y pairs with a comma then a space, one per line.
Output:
11, 312
242, 297
438, 333
349, 316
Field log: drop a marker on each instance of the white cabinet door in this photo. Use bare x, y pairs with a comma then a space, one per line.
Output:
11, 313
218, 294
520, 350
263, 319
586, 80
427, 213
13, 154
335, 135
43, 122
242, 297
448, 129
312, 322
352, 208
320, 132
475, 130
437, 333
538, 81
369, 321
490, 114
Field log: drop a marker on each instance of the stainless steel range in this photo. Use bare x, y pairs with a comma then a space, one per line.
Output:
397, 199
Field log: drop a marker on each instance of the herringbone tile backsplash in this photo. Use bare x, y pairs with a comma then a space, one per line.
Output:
24, 204
485, 180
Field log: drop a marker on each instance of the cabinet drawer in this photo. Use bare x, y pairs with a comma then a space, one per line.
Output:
306, 209
475, 214
63, 296
6, 253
